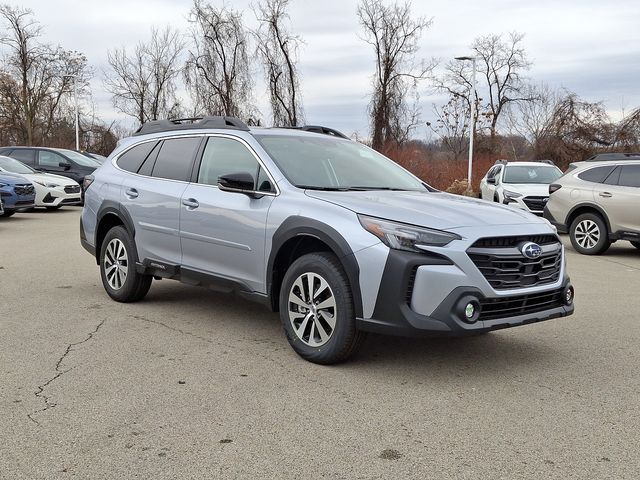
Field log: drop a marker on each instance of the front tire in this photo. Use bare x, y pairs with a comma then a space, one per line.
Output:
316, 310
8, 213
589, 235
118, 267
57, 207
636, 244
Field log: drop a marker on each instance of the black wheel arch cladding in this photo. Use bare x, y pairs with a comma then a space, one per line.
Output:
298, 226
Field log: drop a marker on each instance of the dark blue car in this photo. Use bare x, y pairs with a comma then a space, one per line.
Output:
16, 192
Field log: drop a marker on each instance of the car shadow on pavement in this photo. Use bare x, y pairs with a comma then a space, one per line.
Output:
497, 350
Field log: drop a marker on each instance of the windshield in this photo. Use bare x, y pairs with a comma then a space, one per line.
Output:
14, 166
531, 174
324, 163
79, 158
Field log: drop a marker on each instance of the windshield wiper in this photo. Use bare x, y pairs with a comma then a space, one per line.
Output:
354, 188
324, 189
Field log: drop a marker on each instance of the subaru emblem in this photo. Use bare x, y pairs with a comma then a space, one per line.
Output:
531, 250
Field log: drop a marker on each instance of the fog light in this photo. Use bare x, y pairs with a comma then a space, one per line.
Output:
568, 295
469, 311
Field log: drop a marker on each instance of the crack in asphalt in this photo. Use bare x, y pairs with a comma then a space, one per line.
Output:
40, 392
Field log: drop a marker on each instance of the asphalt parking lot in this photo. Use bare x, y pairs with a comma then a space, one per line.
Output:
195, 384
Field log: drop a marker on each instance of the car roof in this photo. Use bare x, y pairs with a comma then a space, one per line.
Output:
529, 164
592, 163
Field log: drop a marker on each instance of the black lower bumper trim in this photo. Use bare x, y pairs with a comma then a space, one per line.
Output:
561, 227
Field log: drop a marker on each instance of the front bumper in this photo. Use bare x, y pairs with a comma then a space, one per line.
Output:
426, 295
561, 227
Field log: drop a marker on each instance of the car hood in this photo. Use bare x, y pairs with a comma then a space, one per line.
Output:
12, 178
51, 178
528, 189
429, 209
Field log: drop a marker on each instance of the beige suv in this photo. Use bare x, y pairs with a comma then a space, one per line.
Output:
597, 202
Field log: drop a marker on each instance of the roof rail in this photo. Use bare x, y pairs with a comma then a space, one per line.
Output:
157, 126
602, 157
320, 129
501, 162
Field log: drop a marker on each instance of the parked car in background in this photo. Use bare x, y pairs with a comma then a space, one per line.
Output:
523, 185
58, 161
597, 203
16, 192
52, 191
336, 237
1, 208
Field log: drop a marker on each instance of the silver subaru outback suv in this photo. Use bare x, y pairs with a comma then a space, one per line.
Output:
335, 237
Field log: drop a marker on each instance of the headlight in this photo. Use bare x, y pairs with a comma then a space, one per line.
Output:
46, 184
402, 236
509, 195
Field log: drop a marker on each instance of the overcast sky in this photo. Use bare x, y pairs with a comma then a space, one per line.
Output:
589, 47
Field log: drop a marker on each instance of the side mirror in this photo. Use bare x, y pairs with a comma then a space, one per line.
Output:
65, 165
241, 182
491, 181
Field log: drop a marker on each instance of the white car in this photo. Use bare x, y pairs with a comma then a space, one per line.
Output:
52, 191
523, 185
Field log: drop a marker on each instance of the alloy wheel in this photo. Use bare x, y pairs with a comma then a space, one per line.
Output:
312, 309
116, 264
587, 234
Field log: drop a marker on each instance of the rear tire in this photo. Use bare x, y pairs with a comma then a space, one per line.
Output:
589, 235
8, 213
636, 244
118, 267
53, 208
316, 310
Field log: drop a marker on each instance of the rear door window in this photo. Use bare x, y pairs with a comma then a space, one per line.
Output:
175, 158
629, 176
25, 155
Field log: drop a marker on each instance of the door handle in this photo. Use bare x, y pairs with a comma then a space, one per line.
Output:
606, 194
190, 203
131, 193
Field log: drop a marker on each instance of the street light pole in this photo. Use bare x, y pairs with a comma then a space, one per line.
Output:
75, 96
472, 102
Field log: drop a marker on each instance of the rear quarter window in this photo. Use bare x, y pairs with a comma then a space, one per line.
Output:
596, 174
132, 159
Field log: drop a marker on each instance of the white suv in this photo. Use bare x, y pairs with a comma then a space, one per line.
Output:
523, 185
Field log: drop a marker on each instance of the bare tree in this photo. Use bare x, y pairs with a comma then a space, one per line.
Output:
577, 129
452, 125
394, 35
35, 77
218, 70
501, 63
278, 51
143, 83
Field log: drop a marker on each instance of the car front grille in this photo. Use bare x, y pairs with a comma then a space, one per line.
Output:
535, 203
24, 189
492, 308
505, 267
72, 189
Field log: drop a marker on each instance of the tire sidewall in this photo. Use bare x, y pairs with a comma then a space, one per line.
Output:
345, 327
603, 241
